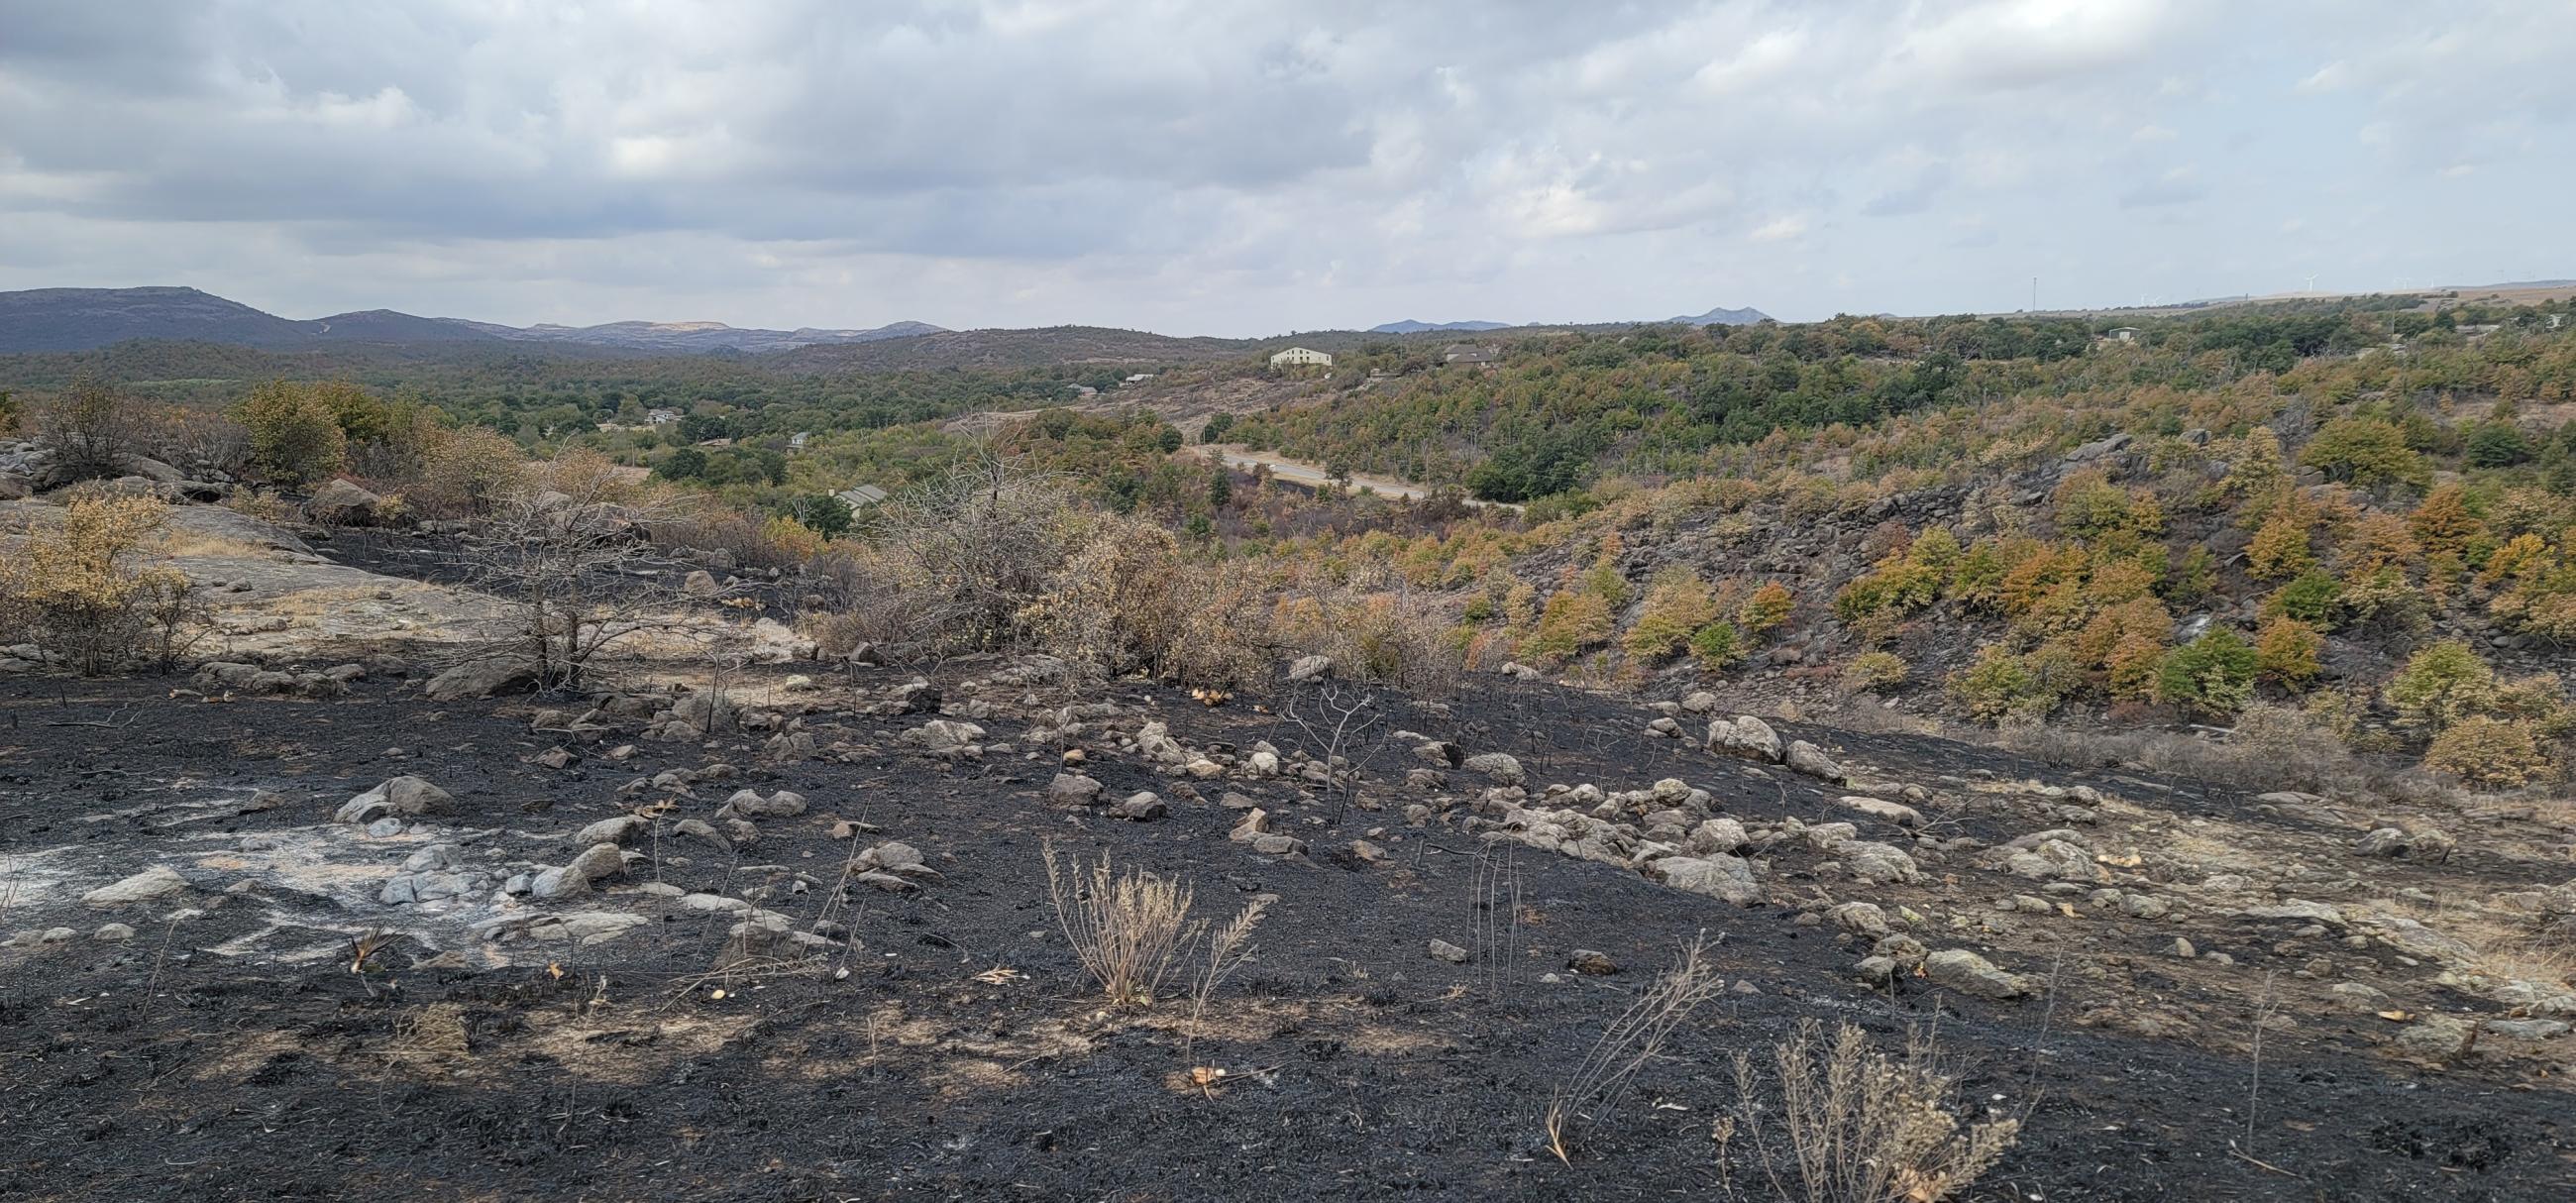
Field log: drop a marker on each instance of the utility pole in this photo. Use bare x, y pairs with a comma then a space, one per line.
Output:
2034, 294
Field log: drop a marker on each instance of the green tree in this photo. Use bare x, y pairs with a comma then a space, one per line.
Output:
295, 432
2498, 445
2212, 675
685, 463
2365, 452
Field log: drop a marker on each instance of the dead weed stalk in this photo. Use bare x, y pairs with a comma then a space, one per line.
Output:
1631, 1041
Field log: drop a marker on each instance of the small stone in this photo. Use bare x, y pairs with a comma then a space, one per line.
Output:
1442, 950
2182, 948
1278, 845
1590, 962
115, 933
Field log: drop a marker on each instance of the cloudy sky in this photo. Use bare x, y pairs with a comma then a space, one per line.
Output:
1205, 166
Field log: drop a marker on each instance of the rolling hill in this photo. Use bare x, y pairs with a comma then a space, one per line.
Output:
79, 319
1410, 326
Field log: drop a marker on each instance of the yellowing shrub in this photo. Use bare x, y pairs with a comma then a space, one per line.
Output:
2490, 752
1675, 606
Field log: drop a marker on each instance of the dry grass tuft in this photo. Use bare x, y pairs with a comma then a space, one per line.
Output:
1128, 929
1864, 1126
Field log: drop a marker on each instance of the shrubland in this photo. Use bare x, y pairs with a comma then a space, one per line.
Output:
2004, 520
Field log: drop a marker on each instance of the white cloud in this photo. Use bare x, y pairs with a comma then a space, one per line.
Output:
1241, 165
1780, 229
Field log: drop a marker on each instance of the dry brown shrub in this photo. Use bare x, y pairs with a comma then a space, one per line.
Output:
1391, 634
86, 588
461, 473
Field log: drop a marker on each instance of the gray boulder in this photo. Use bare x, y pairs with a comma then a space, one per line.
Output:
159, 881
340, 503
1073, 789
1966, 972
480, 679
1500, 766
1807, 758
1719, 876
1745, 736
404, 795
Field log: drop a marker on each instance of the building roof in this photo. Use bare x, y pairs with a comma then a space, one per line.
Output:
1471, 353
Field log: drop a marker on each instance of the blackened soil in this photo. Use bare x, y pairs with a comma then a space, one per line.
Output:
163, 1068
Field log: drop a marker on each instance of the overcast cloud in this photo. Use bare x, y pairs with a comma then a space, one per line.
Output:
1240, 168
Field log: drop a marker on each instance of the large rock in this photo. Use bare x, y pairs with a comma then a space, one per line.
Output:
1745, 736
341, 503
1804, 757
1500, 766
1729, 878
785, 804
152, 469
1143, 806
1880, 808
404, 795
595, 862
156, 882
480, 679
2412, 843
1310, 668
1073, 789
1722, 834
1968, 973
1878, 863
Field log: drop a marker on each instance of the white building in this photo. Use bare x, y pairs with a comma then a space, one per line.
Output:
2124, 334
1301, 357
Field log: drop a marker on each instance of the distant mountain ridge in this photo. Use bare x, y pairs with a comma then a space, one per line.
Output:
1410, 326
1724, 317
80, 319
1715, 317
